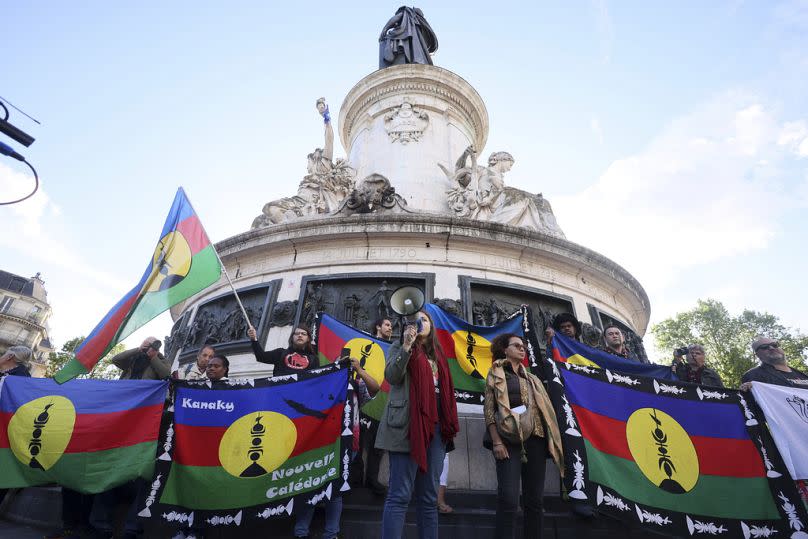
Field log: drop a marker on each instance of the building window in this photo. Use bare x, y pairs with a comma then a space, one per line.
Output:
5, 303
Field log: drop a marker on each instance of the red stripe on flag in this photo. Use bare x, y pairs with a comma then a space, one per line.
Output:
5, 417
98, 432
199, 446
191, 229
557, 355
95, 347
329, 344
727, 457
446, 342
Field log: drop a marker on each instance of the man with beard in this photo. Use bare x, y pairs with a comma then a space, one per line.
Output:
298, 356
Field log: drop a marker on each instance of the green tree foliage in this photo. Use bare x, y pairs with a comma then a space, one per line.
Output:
726, 338
104, 369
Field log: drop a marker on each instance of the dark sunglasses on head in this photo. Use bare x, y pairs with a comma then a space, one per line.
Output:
768, 346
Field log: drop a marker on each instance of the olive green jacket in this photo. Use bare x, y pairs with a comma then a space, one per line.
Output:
394, 426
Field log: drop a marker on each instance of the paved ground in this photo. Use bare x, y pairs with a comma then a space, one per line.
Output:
9, 530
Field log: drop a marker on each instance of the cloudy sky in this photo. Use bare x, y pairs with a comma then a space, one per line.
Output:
671, 138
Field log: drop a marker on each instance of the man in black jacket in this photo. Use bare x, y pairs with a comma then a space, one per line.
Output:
693, 369
773, 368
299, 356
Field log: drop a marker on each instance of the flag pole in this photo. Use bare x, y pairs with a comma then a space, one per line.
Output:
230, 282
224, 269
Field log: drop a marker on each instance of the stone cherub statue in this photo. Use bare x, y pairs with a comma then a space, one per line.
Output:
480, 193
407, 39
322, 189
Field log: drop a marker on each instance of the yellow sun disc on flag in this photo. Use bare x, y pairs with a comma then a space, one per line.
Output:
40, 430
370, 356
577, 359
171, 262
663, 450
257, 443
473, 353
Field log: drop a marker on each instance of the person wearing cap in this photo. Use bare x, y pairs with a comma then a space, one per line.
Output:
693, 370
143, 363
773, 368
14, 362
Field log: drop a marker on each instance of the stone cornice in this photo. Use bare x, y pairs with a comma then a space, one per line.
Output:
415, 79
428, 225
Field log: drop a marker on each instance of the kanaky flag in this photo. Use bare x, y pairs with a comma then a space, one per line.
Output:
568, 350
331, 336
468, 349
243, 452
88, 436
184, 262
676, 458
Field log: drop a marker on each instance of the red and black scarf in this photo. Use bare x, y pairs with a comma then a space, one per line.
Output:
424, 406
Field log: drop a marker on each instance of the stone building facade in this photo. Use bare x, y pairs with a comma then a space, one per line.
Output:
24, 314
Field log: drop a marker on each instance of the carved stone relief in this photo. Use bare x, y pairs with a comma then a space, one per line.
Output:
480, 193
179, 332
320, 192
492, 303
221, 323
356, 301
373, 194
590, 335
283, 313
406, 123
451, 306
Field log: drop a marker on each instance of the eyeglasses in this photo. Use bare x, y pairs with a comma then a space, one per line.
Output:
517, 345
768, 346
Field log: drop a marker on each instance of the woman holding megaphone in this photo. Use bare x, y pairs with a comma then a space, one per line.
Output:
417, 427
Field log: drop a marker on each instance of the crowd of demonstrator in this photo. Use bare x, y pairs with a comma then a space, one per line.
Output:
418, 425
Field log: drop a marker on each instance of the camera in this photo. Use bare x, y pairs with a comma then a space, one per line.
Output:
680, 351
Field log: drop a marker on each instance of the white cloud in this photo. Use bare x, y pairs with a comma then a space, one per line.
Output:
36, 230
794, 135
692, 196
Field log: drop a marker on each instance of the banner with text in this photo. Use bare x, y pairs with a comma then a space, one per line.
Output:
241, 452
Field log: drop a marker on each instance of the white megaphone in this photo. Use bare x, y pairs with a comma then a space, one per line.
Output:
406, 301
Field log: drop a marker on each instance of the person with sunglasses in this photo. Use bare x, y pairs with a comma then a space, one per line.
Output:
521, 430
773, 368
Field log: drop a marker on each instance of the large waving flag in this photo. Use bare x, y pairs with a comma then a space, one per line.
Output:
675, 458
184, 262
568, 350
331, 336
242, 452
90, 435
786, 411
468, 349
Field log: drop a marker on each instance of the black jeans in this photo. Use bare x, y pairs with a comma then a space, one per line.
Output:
531, 473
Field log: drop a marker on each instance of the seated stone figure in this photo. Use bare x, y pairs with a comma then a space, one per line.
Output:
481, 193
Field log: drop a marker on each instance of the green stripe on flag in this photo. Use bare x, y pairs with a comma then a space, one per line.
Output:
747, 498
211, 487
90, 472
205, 270
463, 381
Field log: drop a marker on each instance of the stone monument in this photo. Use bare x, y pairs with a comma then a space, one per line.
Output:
409, 204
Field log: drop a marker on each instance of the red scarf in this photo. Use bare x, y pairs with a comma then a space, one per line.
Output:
423, 405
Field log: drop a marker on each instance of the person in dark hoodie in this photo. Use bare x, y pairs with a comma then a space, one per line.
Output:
298, 356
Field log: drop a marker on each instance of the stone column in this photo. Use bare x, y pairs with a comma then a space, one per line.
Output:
402, 121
